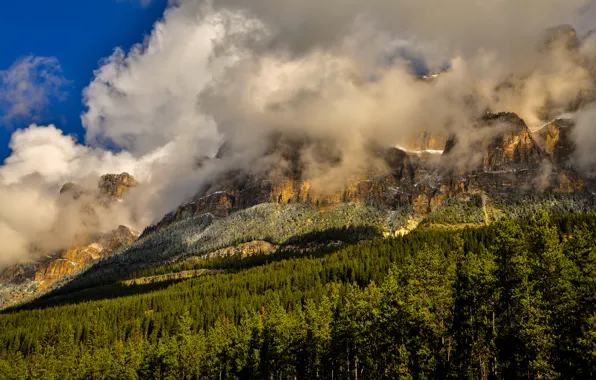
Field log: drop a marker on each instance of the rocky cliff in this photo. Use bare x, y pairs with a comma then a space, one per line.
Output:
509, 161
116, 185
555, 139
29, 280
505, 172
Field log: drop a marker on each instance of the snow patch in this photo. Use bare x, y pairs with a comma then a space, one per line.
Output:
420, 152
565, 116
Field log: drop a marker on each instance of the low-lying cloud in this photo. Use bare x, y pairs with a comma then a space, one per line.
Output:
339, 72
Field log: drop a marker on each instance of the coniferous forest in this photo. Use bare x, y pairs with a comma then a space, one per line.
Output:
516, 299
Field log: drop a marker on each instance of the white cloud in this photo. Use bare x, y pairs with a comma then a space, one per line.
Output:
249, 68
57, 158
147, 98
28, 86
33, 217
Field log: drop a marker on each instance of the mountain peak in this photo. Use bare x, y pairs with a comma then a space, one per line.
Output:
116, 185
561, 36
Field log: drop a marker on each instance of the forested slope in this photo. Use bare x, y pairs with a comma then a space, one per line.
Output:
513, 300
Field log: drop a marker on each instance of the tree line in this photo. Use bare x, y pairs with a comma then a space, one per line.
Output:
516, 299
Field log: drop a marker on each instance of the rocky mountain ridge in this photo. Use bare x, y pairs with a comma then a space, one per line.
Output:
507, 171
509, 161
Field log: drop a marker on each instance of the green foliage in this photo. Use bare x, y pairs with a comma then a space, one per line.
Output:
513, 300
281, 224
457, 211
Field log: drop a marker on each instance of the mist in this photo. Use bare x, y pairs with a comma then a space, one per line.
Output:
340, 73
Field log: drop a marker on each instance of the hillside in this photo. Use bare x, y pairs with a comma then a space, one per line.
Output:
512, 177
511, 174
297, 190
508, 300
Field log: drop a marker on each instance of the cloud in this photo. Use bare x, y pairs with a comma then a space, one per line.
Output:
584, 137
45, 151
335, 76
128, 110
28, 87
34, 219
339, 73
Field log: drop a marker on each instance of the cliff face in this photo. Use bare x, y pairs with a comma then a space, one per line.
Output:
514, 148
555, 139
519, 159
509, 175
116, 185
427, 141
237, 191
74, 259
510, 162
24, 281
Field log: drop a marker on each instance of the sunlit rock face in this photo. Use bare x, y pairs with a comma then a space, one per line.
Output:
512, 161
508, 159
555, 139
23, 281
514, 148
74, 259
116, 185
427, 142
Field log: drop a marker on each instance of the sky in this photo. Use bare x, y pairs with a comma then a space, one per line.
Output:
74, 34
89, 87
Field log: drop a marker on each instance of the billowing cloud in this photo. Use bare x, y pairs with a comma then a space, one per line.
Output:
57, 158
28, 86
147, 98
33, 218
339, 73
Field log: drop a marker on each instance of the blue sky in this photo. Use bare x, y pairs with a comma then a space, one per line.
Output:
78, 33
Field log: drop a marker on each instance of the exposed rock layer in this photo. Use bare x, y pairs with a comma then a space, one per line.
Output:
24, 281
509, 161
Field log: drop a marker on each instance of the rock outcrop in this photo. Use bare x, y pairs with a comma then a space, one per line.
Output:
23, 281
510, 161
514, 162
555, 139
116, 185
512, 149
427, 141
219, 204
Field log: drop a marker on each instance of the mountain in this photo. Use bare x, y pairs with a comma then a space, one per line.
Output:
505, 171
468, 255
497, 168
504, 174
555, 139
509, 161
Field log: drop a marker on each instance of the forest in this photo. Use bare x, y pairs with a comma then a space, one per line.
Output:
516, 299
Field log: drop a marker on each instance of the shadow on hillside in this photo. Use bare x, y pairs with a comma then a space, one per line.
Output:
91, 294
313, 244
